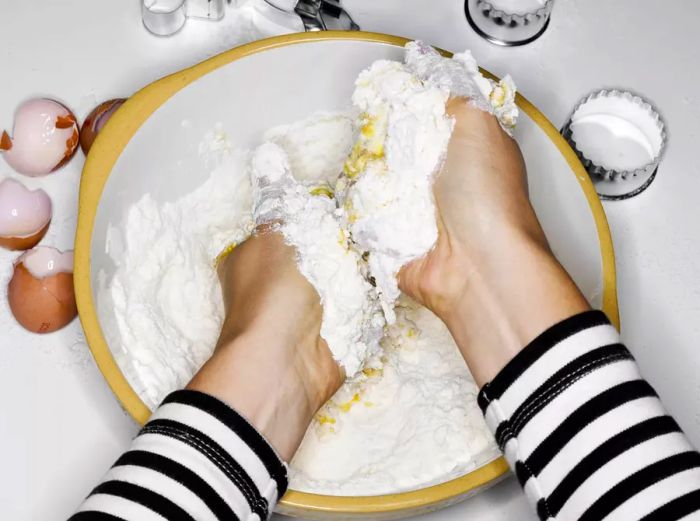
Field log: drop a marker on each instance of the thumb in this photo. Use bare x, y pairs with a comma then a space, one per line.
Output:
408, 278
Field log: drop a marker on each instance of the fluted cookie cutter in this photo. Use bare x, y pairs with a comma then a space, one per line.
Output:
620, 138
509, 22
166, 17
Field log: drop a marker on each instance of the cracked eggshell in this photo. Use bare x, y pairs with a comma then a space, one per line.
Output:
44, 138
96, 120
24, 215
40, 293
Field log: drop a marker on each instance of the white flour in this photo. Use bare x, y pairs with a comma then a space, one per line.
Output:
407, 417
352, 320
165, 291
413, 422
388, 201
386, 189
316, 147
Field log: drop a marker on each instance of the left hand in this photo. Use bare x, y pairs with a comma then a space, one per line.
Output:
270, 363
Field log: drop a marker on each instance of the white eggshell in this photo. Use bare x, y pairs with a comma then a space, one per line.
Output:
23, 212
44, 261
44, 137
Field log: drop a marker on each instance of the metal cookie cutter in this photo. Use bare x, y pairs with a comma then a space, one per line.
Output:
509, 22
620, 139
325, 15
166, 17
318, 15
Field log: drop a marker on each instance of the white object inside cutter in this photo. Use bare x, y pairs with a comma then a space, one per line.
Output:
616, 133
518, 6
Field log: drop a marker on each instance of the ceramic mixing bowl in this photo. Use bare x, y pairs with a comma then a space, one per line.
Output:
145, 148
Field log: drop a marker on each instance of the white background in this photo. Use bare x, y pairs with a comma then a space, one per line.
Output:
60, 427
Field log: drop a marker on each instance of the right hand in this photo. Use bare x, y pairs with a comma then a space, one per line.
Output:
482, 201
491, 277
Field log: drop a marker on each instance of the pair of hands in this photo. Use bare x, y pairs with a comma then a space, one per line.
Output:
491, 278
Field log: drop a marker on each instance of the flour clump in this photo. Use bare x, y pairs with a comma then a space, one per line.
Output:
404, 130
352, 322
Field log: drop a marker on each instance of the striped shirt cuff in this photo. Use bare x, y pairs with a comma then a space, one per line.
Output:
195, 459
586, 436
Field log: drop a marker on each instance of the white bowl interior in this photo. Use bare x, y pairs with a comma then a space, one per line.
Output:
286, 84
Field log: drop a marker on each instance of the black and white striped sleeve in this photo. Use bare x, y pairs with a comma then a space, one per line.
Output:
195, 459
585, 434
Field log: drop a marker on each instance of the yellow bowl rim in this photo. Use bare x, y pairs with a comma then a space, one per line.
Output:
106, 150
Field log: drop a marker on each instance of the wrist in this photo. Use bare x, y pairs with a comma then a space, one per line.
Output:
511, 296
269, 383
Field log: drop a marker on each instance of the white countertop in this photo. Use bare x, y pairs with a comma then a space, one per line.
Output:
60, 426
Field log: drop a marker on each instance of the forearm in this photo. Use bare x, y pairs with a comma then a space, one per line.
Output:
516, 291
196, 458
586, 436
218, 448
257, 375
270, 363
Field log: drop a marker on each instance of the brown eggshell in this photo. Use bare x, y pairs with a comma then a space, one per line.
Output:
72, 142
41, 305
24, 243
96, 120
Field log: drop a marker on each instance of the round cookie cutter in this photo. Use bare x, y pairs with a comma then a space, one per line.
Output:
620, 138
508, 28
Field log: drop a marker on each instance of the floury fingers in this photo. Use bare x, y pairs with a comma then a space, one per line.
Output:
385, 192
352, 321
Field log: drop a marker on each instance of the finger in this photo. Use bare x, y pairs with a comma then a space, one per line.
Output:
456, 103
223, 255
407, 276
459, 75
402, 278
343, 374
268, 227
272, 182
